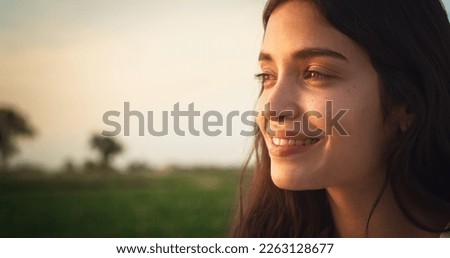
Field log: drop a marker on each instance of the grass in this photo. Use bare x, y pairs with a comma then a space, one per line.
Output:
179, 204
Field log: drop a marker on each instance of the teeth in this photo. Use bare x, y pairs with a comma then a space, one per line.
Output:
307, 142
285, 142
276, 141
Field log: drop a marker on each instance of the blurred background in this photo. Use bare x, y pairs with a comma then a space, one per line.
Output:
63, 64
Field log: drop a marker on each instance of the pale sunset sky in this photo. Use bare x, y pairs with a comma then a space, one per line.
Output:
64, 63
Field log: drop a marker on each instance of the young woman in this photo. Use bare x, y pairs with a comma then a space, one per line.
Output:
354, 131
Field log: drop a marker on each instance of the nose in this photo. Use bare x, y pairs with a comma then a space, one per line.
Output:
282, 101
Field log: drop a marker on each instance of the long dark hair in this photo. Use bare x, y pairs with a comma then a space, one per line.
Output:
409, 46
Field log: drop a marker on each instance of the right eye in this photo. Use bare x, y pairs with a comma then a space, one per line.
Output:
266, 79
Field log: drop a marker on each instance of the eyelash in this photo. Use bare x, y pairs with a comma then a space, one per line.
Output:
314, 75
264, 77
309, 75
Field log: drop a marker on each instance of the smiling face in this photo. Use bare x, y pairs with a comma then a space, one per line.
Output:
305, 62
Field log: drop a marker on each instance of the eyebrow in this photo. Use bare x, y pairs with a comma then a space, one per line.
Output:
307, 53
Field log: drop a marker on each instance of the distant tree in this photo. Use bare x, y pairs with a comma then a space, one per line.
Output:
89, 166
138, 167
107, 147
69, 166
12, 126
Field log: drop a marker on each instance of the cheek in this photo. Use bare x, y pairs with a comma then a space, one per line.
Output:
262, 100
364, 134
358, 109
364, 119
314, 113
359, 153
317, 109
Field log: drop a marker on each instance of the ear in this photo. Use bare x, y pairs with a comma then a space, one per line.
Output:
404, 117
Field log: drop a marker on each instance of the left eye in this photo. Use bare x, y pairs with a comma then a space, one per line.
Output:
314, 75
266, 79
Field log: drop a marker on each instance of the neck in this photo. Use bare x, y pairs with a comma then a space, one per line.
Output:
351, 207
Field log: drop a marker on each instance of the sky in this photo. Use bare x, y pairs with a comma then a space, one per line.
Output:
65, 63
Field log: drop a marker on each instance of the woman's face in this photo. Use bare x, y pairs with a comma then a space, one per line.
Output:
317, 80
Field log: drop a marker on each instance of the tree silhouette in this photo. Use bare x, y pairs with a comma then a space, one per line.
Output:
107, 147
12, 126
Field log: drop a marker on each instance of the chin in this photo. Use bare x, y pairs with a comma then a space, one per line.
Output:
294, 178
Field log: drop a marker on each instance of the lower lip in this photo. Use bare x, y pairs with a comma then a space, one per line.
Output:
288, 150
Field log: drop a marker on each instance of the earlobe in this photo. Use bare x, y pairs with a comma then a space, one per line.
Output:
404, 126
406, 118
401, 118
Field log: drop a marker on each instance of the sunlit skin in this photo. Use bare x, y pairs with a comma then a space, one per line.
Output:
304, 62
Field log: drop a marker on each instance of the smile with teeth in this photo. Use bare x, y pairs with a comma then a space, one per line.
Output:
286, 142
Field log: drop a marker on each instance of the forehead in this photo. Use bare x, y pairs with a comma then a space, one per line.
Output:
299, 24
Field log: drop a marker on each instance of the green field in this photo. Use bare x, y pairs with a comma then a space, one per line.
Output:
179, 204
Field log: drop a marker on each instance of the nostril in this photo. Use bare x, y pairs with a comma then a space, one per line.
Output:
281, 117
279, 112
